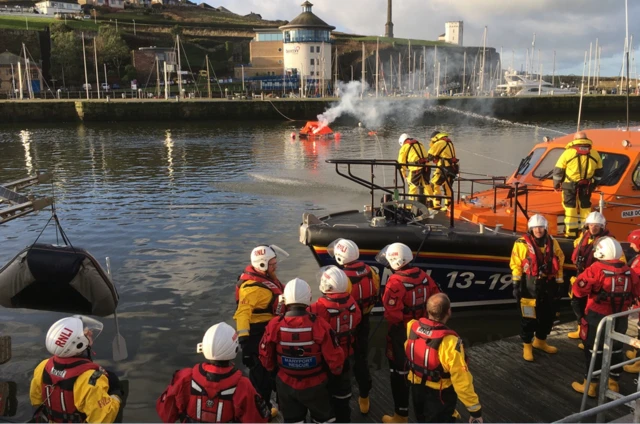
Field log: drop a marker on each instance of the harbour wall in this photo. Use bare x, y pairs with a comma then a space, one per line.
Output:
25, 111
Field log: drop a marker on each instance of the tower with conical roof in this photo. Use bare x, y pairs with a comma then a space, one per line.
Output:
307, 45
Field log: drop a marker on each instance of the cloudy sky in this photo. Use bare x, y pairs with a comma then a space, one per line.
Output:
566, 26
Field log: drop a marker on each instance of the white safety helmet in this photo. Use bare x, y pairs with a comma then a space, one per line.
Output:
297, 291
608, 249
261, 255
71, 336
403, 138
220, 343
538, 220
344, 251
395, 255
333, 280
596, 218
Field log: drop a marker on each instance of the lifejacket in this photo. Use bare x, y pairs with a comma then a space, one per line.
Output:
298, 354
425, 337
58, 378
342, 310
416, 285
363, 290
538, 264
275, 286
412, 142
635, 264
211, 396
583, 254
616, 288
582, 150
452, 162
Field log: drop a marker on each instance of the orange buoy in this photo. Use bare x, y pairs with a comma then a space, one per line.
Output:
372, 133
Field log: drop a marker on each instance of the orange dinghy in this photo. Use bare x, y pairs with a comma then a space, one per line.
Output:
315, 129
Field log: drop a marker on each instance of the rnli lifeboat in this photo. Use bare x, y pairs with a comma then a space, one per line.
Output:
467, 248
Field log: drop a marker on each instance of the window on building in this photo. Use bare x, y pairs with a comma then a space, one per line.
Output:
312, 62
317, 49
311, 73
311, 49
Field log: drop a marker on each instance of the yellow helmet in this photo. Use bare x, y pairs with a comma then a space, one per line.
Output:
438, 135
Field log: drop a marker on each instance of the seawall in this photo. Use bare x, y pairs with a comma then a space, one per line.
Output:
12, 111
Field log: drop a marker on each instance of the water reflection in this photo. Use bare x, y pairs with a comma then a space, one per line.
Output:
25, 137
179, 208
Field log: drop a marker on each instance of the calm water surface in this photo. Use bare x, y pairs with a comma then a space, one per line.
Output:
178, 208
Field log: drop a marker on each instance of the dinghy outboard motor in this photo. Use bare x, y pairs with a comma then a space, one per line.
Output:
59, 279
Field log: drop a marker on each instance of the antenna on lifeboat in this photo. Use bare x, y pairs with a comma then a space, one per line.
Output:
584, 66
627, 47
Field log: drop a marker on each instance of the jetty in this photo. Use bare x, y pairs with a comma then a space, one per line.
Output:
510, 389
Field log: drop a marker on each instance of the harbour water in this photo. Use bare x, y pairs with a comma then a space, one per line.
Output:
178, 208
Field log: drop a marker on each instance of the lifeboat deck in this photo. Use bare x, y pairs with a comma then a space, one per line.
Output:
510, 389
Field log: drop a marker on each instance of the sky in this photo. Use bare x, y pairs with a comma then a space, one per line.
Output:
566, 26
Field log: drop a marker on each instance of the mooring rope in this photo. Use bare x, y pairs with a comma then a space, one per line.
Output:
285, 116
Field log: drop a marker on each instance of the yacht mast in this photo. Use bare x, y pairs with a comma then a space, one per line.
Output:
484, 54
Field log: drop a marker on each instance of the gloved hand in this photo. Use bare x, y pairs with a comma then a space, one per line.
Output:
516, 289
115, 387
248, 358
557, 187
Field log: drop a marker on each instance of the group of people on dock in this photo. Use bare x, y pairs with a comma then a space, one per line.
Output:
306, 352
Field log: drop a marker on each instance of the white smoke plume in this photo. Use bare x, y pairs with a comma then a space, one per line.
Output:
371, 111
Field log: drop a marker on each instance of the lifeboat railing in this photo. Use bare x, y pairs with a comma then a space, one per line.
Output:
397, 190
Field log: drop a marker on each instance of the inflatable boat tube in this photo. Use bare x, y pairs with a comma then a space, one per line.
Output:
59, 279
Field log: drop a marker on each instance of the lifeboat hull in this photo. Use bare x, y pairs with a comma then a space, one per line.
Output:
472, 268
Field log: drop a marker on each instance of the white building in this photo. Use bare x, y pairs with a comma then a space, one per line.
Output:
307, 45
51, 8
453, 32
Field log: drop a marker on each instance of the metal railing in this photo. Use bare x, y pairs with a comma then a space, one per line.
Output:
396, 191
633, 400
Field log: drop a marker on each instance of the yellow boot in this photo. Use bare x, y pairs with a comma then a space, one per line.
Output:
274, 413
574, 334
394, 419
542, 345
632, 368
631, 354
364, 404
579, 387
527, 352
581, 345
613, 386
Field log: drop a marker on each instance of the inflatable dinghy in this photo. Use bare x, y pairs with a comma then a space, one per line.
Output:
59, 279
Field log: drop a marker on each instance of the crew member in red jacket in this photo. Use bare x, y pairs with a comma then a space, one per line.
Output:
365, 290
302, 347
582, 257
405, 298
213, 391
634, 263
340, 310
611, 287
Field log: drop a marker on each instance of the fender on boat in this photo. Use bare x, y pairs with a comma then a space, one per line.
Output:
55, 278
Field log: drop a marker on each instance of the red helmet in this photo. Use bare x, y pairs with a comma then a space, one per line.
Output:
634, 237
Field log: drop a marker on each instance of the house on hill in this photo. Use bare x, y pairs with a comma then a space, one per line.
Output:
113, 4
58, 7
253, 16
205, 6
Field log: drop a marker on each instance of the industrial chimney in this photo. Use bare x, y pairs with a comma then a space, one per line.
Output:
388, 28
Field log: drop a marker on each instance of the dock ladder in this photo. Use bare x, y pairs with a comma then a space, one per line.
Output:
606, 329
